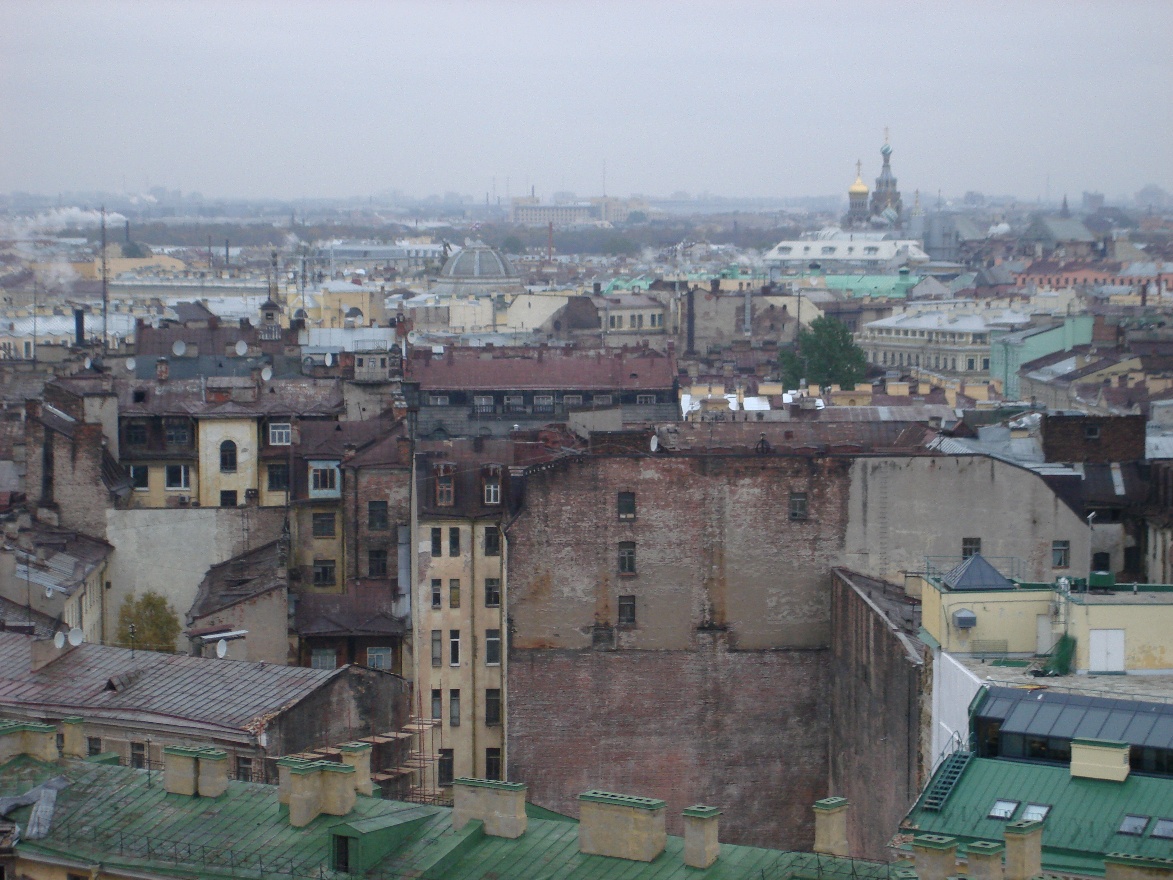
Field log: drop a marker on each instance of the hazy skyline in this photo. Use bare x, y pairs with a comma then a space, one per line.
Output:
740, 99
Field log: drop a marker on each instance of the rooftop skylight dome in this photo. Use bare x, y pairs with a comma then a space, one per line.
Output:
477, 269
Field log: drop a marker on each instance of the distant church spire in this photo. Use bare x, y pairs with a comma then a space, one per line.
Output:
1064, 211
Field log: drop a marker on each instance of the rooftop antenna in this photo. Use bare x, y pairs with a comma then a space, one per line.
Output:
105, 290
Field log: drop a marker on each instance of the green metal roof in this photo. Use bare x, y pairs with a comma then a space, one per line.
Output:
1081, 827
111, 814
888, 286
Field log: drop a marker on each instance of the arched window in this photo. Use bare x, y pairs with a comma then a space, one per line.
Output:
228, 457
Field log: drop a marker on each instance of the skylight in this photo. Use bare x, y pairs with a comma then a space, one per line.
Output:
1133, 825
1035, 812
1003, 809
1163, 829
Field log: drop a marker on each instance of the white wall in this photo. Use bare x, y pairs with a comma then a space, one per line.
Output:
954, 688
170, 551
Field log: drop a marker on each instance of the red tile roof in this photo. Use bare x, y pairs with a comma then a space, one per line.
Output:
529, 369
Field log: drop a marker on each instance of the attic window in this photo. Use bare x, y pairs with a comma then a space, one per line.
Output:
1133, 825
140, 395
1035, 812
1163, 829
1002, 809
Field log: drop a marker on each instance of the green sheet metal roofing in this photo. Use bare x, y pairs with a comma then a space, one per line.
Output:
1082, 825
114, 815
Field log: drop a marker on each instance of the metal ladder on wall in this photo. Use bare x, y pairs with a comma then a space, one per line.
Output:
946, 779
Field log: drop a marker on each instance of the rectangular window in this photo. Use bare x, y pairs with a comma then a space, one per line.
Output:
601, 399
376, 563
1035, 812
437, 540
492, 647
228, 498
572, 400
136, 434
493, 763
970, 547
436, 587
244, 768
985, 363
483, 403
454, 541
454, 592
454, 707
798, 506
323, 572
492, 706
1060, 554
438, 400
645, 399
138, 756
177, 434
1134, 825
514, 403
379, 658
627, 557
437, 648
492, 490
492, 592
323, 525
627, 505
627, 610
1163, 828
445, 485
323, 658
323, 479
177, 477
278, 476
140, 477
492, 541
445, 767
1002, 809
543, 403
454, 647
437, 704
93, 745
280, 433
377, 516
970, 364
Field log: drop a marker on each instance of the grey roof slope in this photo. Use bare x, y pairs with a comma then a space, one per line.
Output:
102, 681
242, 577
975, 573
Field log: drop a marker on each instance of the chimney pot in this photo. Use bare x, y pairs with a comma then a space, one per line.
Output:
1024, 849
621, 826
935, 856
499, 805
831, 826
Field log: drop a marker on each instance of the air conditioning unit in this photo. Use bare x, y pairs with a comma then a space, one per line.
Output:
963, 618
252, 494
184, 500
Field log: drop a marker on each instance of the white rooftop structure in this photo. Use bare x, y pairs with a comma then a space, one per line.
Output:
833, 247
952, 321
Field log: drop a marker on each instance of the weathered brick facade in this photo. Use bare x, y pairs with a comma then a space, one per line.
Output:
734, 551
64, 470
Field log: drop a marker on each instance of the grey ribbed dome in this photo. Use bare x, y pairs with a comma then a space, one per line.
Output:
481, 262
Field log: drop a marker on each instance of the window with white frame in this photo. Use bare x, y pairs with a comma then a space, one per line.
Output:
379, 658
280, 433
178, 477
323, 658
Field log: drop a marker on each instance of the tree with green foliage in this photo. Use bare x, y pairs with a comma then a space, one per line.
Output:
134, 250
513, 245
824, 354
156, 625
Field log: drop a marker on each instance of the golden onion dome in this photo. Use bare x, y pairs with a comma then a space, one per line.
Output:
859, 187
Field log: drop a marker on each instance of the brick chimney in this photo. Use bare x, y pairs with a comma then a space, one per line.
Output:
1024, 849
311, 788
831, 826
358, 756
985, 859
73, 736
500, 805
935, 856
27, 738
621, 826
1123, 866
701, 843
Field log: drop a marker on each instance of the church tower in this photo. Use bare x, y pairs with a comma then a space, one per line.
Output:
886, 196
857, 201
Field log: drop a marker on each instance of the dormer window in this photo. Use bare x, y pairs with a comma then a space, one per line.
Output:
445, 485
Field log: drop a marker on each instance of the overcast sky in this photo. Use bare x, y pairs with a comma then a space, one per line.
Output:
297, 99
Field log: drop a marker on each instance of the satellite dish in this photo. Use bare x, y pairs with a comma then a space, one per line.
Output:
267, 373
655, 444
48, 592
329, 359
130, 365
241, 348
59, 641
221, 648
76, 636
89, 363
178, 347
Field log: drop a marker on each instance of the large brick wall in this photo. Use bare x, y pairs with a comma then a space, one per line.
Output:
742, 730
876, 713
666, 714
